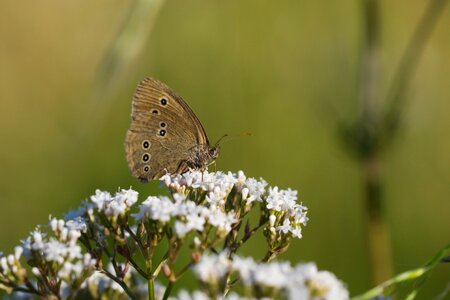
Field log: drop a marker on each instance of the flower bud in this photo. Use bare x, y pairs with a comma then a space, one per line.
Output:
272, 220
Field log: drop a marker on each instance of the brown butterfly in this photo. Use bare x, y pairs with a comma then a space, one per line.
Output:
165, 136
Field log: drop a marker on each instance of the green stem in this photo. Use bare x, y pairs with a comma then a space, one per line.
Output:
250, 233
377, 229
112, 259
168, 290
121, 283
149, 264
150, 279
138, 242
138, 269
228, 285
377, 232
183, 270
151, 288
268, 257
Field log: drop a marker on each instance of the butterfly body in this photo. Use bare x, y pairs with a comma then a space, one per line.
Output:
165, 136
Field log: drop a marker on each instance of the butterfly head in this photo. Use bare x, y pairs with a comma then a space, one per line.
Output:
214, 152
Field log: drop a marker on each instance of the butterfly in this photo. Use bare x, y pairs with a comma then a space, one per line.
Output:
165, 136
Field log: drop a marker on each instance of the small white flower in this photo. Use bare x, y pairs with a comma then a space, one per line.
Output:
116, 206
257, 188
282, 200
215, 199
222, 221
212, 268
279, 274
289, 199
296, 232
178, 197
36, 271
195, 222
54, 224
181, 229
246, 268
4, 263
100, 198
241, 177
79, 224
306, 281
299, 213
17, 252
11, 259
275, 199
245, 192
129, 196
286, 227
154, 208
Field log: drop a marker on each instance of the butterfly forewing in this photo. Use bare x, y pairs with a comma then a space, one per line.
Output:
163, 128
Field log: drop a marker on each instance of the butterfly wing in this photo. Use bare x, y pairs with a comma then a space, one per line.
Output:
163, 129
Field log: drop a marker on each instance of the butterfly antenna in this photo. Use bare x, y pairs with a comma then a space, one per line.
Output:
224, 136
232, 137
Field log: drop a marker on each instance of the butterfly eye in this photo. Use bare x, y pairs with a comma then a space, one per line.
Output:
145, 157
162, 132
146, 144
155, 112
146, 169
163, 101
162, 124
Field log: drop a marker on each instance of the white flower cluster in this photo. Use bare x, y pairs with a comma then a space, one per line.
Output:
286, 211
303, 281
10, 266
217, 184
212, 268
61, 251
189, 216
112, 230
286, 215
113, 207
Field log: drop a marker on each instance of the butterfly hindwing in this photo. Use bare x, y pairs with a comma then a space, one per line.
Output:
163, 128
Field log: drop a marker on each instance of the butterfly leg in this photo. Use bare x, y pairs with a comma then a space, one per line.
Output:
182, 167
212, 163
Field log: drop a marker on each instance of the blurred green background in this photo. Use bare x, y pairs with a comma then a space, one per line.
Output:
278, 69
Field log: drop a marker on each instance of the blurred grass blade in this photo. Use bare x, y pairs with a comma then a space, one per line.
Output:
444, 293
419, 274
129, 42
409, 61
120, 57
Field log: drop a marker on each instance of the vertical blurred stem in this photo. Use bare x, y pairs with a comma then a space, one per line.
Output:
378, 237
151, 288
369, 72
373, 131
377, 234
149, 265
